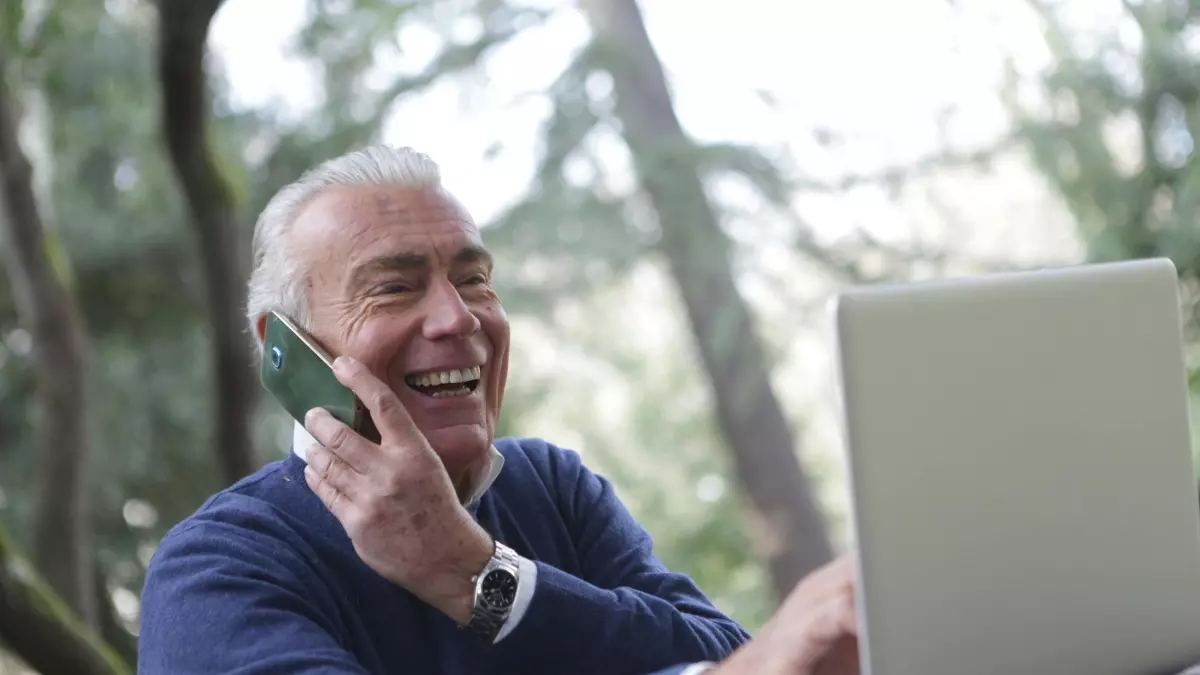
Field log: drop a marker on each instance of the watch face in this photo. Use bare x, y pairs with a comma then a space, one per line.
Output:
499, 589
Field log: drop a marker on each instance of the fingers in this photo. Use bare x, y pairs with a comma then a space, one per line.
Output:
822, 584
332, 469
839, 617
834, 623
842, 660
836, 574
817, 619
813, 634
389, 415
340, 440
333, 499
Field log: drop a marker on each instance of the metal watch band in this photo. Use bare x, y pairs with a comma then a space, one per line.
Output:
485, 619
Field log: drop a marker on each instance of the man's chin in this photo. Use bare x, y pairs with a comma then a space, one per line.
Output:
460, 446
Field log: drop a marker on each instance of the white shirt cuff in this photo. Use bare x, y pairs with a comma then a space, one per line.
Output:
525, 584
697, 668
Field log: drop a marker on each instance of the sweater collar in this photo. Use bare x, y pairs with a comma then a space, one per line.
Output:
482, 479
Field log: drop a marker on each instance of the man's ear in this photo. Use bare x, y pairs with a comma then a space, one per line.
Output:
260, 328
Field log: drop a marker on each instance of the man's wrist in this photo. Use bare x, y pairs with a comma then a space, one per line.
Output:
454, 593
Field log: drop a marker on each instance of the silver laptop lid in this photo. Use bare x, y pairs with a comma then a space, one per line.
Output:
1024, 496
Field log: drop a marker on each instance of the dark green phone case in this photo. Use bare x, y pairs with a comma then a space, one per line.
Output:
300, 375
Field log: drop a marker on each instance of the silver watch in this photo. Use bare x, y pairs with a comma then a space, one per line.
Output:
495, 591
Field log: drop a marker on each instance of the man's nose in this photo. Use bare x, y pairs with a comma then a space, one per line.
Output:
448, 315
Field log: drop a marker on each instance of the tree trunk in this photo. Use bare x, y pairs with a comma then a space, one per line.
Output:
183, 33
787, 524
36, 625
62, 533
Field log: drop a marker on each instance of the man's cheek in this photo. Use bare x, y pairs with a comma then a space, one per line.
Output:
378, 347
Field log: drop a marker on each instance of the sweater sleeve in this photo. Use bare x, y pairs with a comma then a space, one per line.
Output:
228, 597
623, 611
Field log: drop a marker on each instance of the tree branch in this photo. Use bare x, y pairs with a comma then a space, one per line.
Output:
38, 627
183, 33
912, 170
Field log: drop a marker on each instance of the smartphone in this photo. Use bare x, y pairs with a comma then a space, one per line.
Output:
299, 374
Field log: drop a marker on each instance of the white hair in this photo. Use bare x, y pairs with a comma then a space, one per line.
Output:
277, 278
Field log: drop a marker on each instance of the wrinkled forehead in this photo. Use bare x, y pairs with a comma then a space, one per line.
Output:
344, 226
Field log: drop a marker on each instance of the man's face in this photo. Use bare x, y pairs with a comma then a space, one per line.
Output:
399, 279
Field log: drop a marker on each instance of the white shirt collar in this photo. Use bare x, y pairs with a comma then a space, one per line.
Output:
481, 481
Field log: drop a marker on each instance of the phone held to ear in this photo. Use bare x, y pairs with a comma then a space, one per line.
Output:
299, 374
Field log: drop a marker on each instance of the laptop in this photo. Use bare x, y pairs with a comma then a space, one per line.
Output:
1024, 497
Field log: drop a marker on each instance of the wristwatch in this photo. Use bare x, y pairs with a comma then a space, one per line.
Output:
495, 591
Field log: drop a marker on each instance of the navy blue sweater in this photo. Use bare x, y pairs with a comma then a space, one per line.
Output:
263, 580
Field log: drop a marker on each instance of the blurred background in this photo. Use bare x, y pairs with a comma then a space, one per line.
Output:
673, 191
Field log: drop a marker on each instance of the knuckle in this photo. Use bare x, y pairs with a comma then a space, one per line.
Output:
325, 463
327, 494
845, 603
384, 401
316, 457
340, 437
334, 469
322, 489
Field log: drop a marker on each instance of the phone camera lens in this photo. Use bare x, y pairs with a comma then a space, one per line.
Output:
277, 357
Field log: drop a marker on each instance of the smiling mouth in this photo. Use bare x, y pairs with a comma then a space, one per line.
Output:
445, 383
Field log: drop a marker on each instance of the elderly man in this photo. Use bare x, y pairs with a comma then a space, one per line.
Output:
436, 549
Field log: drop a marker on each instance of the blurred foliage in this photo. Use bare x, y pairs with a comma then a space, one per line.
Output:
1113, 127
651, 431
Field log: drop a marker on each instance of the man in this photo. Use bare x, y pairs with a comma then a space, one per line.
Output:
437, 549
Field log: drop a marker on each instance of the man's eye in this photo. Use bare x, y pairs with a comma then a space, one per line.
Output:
475, 280
392, 289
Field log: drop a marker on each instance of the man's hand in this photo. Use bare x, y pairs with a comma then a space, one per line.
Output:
395, 499
815, 632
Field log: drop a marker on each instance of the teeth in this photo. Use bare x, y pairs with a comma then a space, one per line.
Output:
461, 391
464, 375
